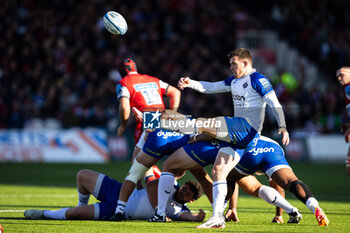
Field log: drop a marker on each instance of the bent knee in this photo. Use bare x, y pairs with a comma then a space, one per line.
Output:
83, 174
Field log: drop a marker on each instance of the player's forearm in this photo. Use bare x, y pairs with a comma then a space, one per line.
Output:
124, 110
277, 109
188, 216
208, 87
175, 96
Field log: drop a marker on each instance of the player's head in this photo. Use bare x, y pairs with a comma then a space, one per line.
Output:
240, 62
188, 192
127, 66
343, 75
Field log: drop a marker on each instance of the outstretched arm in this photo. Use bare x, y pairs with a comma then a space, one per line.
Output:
202, 86
188, 216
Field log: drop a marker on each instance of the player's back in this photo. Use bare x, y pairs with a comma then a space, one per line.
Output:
145, 92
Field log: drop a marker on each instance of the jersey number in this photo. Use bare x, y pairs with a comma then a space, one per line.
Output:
151, 96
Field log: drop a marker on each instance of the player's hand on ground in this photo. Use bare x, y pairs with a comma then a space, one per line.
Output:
285, 135
200, 215
183, 83
278, 219
347, 135
231, 215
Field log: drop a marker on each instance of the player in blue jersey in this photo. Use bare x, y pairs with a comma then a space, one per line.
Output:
268, 157
139, 207
343, 75
234, 130
154, 146
200, 154
250, 91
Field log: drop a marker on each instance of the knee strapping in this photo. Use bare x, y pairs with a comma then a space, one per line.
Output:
136, 171
296, 190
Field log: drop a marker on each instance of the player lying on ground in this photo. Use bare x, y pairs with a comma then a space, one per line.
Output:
139, 207
155, 145
200, 154
234, 130
268, 157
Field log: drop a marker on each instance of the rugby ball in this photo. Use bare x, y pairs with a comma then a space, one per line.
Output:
115, 23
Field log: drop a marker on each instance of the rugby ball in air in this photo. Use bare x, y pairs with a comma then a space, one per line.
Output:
115, 23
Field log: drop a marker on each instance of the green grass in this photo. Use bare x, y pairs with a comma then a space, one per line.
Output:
52, 186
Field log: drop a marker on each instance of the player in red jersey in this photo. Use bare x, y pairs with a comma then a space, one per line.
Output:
343, 75
143, 92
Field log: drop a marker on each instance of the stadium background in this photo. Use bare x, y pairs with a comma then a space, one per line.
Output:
58, 66
58, 71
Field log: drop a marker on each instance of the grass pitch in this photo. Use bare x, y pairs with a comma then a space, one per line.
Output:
52, 186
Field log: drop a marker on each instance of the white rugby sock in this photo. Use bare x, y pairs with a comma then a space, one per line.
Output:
271, 196
56, 214
120, 207
165, 190
311, 204
83, 198
219, 195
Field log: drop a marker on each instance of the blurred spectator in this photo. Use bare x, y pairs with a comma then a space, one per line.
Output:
58, 62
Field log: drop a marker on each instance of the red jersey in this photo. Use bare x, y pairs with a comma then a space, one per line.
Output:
144, 92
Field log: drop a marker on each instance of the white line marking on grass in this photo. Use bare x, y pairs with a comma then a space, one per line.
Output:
1, 211
38, 195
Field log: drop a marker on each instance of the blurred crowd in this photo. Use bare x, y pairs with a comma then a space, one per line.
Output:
58, 63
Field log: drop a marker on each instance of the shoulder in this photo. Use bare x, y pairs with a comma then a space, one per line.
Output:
347, 89
258, 77
260, 82
228, 81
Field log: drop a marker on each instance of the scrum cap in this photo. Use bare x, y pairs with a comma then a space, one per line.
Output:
127, 66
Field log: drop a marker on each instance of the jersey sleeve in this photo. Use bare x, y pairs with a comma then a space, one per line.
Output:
177, 210
261, 84
122, 91
209, 87
163, 87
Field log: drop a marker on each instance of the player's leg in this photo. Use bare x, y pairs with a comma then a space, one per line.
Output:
286, 178
279, 211
86, 180
253, 187
231, 214
173, 167
86, 184
141, 164
225, 161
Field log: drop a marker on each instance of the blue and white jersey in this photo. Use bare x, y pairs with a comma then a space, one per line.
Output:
248, 95
163, 142
204, 153
267, 156
138, 206
242, 134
